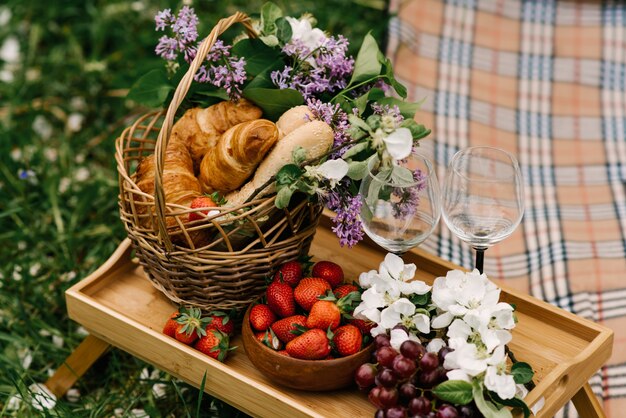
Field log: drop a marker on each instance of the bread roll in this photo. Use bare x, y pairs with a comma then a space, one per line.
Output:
315, 137
239, 150
293, 119
200, 129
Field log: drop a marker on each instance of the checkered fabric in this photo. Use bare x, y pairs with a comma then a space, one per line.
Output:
546, 81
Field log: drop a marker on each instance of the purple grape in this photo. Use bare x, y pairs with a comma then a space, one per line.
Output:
412, 349
386, 378
420, 406
365, 375
380, 413
385, 356
404, 367
467, 411
388, 397
443, 352
431, 414
396, 412
407, 391
429, 362
382, 340
374, 396
441, 374
447, 411
428, 379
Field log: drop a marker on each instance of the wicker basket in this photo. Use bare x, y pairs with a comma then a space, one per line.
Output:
246, 243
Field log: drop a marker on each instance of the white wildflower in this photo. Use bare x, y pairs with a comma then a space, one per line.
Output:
25, 356
332, 170
81, 174
14, 403
159, 390
399, 143
138, 413
73, 395
27, 175
80, 158
16, 154
6, 75
58, 341
303, 32
398, 336
51, 154
435, 345
42, 127
10, 50
44, 333
64, 184
74, 122
497, 380
82, 331
34, 269
17, 273
78, 103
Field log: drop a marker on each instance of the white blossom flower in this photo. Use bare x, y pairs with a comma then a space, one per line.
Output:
16, 154
332, 170
458, 374
392, 315
74, 122
42, 127
51, 154
6, 75
159, 390
17, 273
435, 345
25, 356
10, 50
34, 269
398, 336
42, 397
58, 341
498, 381
303, 32
399, 143
81, 174
14, 403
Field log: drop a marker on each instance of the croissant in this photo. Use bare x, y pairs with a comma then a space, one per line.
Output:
180, 186
239, 150
200, 129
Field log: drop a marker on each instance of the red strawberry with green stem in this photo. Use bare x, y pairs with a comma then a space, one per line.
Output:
290, 273
214, 344
326, 312
308, 291
171, 326
221, 321
269, 339
344, 290
289, 328
201, 202
312, 345
261, 317
347, 340
328, 271
280, 299
191, 325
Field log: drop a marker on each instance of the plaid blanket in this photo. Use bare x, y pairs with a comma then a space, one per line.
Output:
545, 80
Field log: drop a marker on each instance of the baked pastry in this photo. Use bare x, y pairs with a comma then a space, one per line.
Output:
227, 165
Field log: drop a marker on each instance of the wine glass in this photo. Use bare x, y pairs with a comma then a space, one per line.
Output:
401, 202
483, 197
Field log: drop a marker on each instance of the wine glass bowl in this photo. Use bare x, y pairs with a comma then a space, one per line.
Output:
483, 199
401, 203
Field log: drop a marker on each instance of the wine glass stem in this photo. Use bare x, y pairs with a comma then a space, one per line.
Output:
480, 258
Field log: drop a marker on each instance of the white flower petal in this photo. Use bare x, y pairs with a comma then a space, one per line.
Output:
333, 169
14, 403
372, 298
159, 390
393, 265
399, 143
435, 345
422, 323
502, 384
378, 330
459, 329
398, 336
458, 374
42, 397
442, 320
73, 395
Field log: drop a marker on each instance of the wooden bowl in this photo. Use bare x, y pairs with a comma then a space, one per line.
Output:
310, 375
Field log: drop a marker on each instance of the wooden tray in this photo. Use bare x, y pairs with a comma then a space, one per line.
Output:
118, 304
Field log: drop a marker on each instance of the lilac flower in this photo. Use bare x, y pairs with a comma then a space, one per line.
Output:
226, 71
281, 79
186, 26
163, 18
347, 224
184, 34
167, 48
407, 199
336, 118
385, 110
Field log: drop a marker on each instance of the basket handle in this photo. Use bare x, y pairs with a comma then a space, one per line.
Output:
179, 96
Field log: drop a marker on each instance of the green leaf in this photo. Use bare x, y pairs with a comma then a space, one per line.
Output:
356, 121
522, 372
367, 64
283, 197
513, 402
355, 150
269, 40
270, 12
376, 94
407, 109
288, 174
298, 155
420, 300
457, 392
151, 89
361, 103
283, 30
274, 102
357, 169
259, 56
390, 78
486, 407
402, 176
417, 131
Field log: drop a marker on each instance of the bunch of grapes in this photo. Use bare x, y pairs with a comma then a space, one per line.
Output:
400, 384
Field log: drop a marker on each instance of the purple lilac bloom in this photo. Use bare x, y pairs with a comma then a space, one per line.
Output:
230, 74
347, 224
186, 26
184, 31
336, 118
408, 198
163, 18
325, 69
167, 48
386, 110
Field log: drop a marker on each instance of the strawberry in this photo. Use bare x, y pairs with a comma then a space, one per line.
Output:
347, 340
309, 289
324, 314
191, 325
280, 299
344, 289
221, 321
312, 345
171, 325
284, 328
328, 271
364, 325
269, 339
261, 317
290, 273
214, 344
201, 202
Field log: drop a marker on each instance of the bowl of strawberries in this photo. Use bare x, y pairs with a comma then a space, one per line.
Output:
301, 334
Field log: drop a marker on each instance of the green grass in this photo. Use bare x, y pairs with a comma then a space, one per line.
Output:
62, 103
